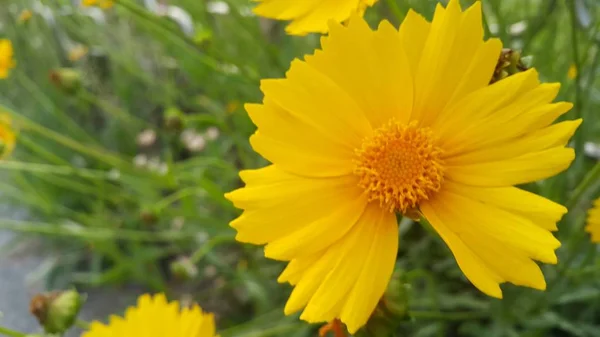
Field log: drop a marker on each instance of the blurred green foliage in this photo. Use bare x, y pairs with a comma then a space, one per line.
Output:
124, 155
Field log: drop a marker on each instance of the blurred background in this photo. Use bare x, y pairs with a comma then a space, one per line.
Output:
131, 127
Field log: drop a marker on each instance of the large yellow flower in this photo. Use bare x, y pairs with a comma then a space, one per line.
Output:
311, 16
593, 222
155, 317
387, 121
7, 61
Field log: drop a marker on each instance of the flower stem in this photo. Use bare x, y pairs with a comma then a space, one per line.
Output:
82, 324
584, 186
10, 333
452, 316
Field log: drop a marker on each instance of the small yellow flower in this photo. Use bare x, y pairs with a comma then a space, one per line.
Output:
7, 136
104, 4
77, 53
155, 317
402, 121
572, 73
311, 16
25, 16
593, 222
7, 61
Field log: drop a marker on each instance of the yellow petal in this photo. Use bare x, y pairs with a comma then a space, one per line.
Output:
454, 61
485, 259
275, 202
377, 271
413, 32
541, 211
542, 139
486, 221
519, 170
322, 232
348, 279
318, 101
380, 81
480, 106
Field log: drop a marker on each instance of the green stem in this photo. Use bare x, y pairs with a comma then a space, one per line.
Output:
92, 234
208, 246
584, 186
578, 107
53, 169
114, 111
10, 333
452, 316
82, 324
165, 202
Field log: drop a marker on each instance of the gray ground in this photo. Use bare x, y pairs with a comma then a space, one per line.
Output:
17, 287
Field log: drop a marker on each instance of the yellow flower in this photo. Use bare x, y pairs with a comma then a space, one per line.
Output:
77, 53
155, 317
593, 222
572, 73
104, 4
384, 122
7, 136
7, 62
25, 16
311, 16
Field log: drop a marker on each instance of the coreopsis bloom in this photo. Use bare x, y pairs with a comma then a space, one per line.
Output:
104, 4
572, 72
7, 136
310, 16
7, 61
593, 222
155, 317
385, 122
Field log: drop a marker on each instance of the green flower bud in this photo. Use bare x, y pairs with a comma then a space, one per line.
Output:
66, 79
174, 119
56, 311
509, 63
184, 269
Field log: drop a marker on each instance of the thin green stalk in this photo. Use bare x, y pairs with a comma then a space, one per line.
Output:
165, 202
578, 107
451, 316
395, 8
92, 234
82, 324
53, 169
91, 151
39, 151
208, 246
10, 333
583, 187
113, 110
48, 105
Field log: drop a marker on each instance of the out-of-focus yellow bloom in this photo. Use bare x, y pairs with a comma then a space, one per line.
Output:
7, 136
232, 106
7, 62
25, 16
593, 222
572, 73
155, 317
311, 16
104, 4
77, 53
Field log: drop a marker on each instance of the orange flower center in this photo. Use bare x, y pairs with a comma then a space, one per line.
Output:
399, 166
